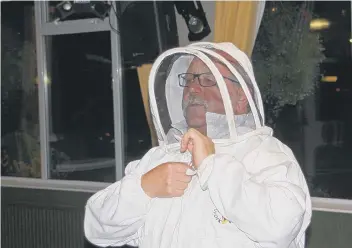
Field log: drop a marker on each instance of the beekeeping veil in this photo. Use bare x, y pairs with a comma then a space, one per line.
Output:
170, 79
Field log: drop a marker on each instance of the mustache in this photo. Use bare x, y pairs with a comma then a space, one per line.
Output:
194, 100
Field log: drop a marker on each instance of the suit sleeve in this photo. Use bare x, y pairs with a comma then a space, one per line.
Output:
115, 215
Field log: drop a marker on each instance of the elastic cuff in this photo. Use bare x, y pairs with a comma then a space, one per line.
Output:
135, 191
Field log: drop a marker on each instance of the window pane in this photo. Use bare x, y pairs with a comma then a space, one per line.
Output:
82, 124
20, 148
308, 90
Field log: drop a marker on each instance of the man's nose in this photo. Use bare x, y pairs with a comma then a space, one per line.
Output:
195, 87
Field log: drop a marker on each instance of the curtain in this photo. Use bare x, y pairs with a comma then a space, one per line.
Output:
143, 75
238, 22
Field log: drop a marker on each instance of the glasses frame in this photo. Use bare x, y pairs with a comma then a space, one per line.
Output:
197, 75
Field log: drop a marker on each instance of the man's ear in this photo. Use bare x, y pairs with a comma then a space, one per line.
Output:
241, 105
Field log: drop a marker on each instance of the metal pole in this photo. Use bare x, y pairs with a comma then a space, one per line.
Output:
157, 25
41, 15
117, 89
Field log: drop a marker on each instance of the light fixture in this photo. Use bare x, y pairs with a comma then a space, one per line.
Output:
196, 21
319, 24
329, 79
195, 25
67, 6
99, 9
64, 9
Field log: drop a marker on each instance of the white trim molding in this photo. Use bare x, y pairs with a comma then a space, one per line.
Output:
332, 205
52, 184
319, 204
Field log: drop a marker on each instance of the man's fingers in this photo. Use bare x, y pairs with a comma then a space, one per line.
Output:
181, 185
190, 137
185, 140
182, 167
184, 179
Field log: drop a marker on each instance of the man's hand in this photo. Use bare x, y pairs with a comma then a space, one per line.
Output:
198, 145
166, 180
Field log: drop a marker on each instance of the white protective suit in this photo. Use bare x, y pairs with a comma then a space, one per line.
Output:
251, 193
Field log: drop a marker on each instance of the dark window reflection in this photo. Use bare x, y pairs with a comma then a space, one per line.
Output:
83, 141
20, 148
318, 127
82, 137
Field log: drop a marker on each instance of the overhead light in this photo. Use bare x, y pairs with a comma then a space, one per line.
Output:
351, 40
64, 9
319, 24
99, 9
329, 79
196, 21
195, 25
67, 6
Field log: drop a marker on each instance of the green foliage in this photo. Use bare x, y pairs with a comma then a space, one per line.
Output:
20, 155
287, 56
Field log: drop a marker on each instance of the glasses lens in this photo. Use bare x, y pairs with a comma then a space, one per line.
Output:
207, 80
186, 79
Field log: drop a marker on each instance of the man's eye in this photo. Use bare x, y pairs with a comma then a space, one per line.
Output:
210, 79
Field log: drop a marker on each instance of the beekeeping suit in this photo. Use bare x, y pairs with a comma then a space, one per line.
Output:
250, 193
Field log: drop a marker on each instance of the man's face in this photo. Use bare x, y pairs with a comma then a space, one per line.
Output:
197, 100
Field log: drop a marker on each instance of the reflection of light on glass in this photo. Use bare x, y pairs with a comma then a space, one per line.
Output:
329, 79
319, 24
46, 80
273, 9
338, 89
351, 40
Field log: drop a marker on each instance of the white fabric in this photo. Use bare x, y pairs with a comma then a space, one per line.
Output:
243, 59
251, 193
240, 79
260, 13
173, 94
177, 101
217, 127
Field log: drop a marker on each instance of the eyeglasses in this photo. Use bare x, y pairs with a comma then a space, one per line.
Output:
204, 79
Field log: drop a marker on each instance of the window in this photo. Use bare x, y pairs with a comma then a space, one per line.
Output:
302, 60
81, 101
81, 114
20, 148
82, 120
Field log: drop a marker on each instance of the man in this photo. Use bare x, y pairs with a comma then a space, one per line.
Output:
218, 177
